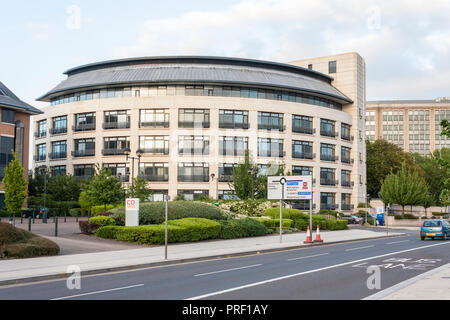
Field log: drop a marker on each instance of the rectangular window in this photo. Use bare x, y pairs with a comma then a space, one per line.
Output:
270, 147
59, 125
346, 178
193, 172
346, 199
119, 170
115, 145
226, 172
327, 152
345, 132
158, 172
154, 118
41, 129
233, 119
6, 154
345, 155
302, 150
83, 171
233, 146
41, 152
117, 119
332, 67
7, 115
84, 148
327, 128
327, 201
302, 171
59, 150
270, 121
327, 177
85, 122
191, 195
58, 171
193, 145
154, 144
193, 118
302, 124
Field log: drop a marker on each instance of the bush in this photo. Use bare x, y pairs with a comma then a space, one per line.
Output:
363, 205
244, 207
275, 223
196, 229
98, 209
16, 243
102, 221
232, 229
293, 214
405, 216
154, 212
87, 228
328, 212
108, 232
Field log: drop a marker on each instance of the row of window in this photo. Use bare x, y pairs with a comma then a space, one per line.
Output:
193, 118
197, 90
193, 145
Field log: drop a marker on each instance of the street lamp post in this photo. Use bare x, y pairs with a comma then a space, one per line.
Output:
45, 190
253, 171
139, 155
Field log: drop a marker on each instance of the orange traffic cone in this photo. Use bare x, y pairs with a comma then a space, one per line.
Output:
308, 237
318, 239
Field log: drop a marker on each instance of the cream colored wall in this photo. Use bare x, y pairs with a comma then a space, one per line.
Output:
214, 104
350, 79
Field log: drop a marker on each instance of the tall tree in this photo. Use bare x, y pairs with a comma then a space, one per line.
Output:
104, 188
445, 128
241, 181
404, 188
64, 188
141, 191
15, 186
383, 158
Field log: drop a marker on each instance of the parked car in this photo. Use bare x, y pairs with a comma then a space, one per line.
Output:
435, 229
353, 219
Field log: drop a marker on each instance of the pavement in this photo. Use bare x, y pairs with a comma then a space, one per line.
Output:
45, 268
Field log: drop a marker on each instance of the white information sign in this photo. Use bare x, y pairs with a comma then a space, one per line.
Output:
289, 188
132, 212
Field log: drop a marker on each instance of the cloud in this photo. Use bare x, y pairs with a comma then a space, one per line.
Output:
398, 39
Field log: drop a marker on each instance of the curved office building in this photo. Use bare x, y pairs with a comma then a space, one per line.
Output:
188, 120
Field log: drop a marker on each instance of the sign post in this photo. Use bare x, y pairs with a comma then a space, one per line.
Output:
290, 188
132, 213
167, 198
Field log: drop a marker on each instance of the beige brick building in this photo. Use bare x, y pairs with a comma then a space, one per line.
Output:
413, 125
190, 119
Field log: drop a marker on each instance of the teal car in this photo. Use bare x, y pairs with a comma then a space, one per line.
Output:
435, 229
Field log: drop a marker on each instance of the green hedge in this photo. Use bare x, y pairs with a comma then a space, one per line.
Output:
103, 221
99, 209
196, 229
242, 228
406, 216
275, 223
153, 212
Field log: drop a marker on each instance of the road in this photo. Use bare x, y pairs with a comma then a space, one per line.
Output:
337, 272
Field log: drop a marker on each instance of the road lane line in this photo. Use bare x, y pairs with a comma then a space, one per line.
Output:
97, 292
228, 270
317, 255
307, 272
360, 248
398, 242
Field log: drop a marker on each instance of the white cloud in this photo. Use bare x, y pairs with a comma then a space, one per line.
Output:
398, 39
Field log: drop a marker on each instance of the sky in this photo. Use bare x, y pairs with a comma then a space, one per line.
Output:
405, 43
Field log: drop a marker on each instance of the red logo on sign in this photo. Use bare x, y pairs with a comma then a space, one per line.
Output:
305, 185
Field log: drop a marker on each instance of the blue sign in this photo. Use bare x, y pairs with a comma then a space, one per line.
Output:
305, 193
292, 183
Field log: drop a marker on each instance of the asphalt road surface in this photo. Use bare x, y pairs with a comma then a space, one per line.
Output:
336, 272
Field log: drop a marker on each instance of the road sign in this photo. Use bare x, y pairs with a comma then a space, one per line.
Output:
289, 188
132, 212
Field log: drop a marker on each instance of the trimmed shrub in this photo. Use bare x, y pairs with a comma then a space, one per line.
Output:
275, 223
10, 234
328, 212
104, 214
98, 209
87, 228
242, 228
196, 229
293, 214
153, 212
102, 221
244, 207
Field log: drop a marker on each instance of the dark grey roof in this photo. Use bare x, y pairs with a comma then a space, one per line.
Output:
197, 70
9, 99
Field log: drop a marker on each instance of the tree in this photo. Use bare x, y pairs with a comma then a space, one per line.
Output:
405, 187
383, 158
445, 128
64, 188
104, 188
241, 181
36, 182
15, 186
141, 191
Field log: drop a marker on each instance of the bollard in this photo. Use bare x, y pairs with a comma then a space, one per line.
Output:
21, 218
89, 214
44, 217
34, 216
65, 216
76, 217
29, 223
56, 226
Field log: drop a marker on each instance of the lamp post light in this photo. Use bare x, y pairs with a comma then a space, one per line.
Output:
45, 190
139, 155
253, 171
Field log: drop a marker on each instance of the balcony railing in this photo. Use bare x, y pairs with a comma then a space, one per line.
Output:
348, 160
232, 125
348, 138
303, 155
54, 131
347, 207
83, 153
40, 134
57, 155
303, 130
154, 124
347, 184
116, 125
329, 206
40, 158
193, 152
164, 151
84, 177
326, 157
190, 178
271, 127
113, 152
328, 133
84, 127
192, 124
155, 178
328, 182
124, 178
226, 178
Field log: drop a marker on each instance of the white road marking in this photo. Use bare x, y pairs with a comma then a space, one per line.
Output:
307, 272
97, 292
360, 248
221, 271
317, 255
397, 242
